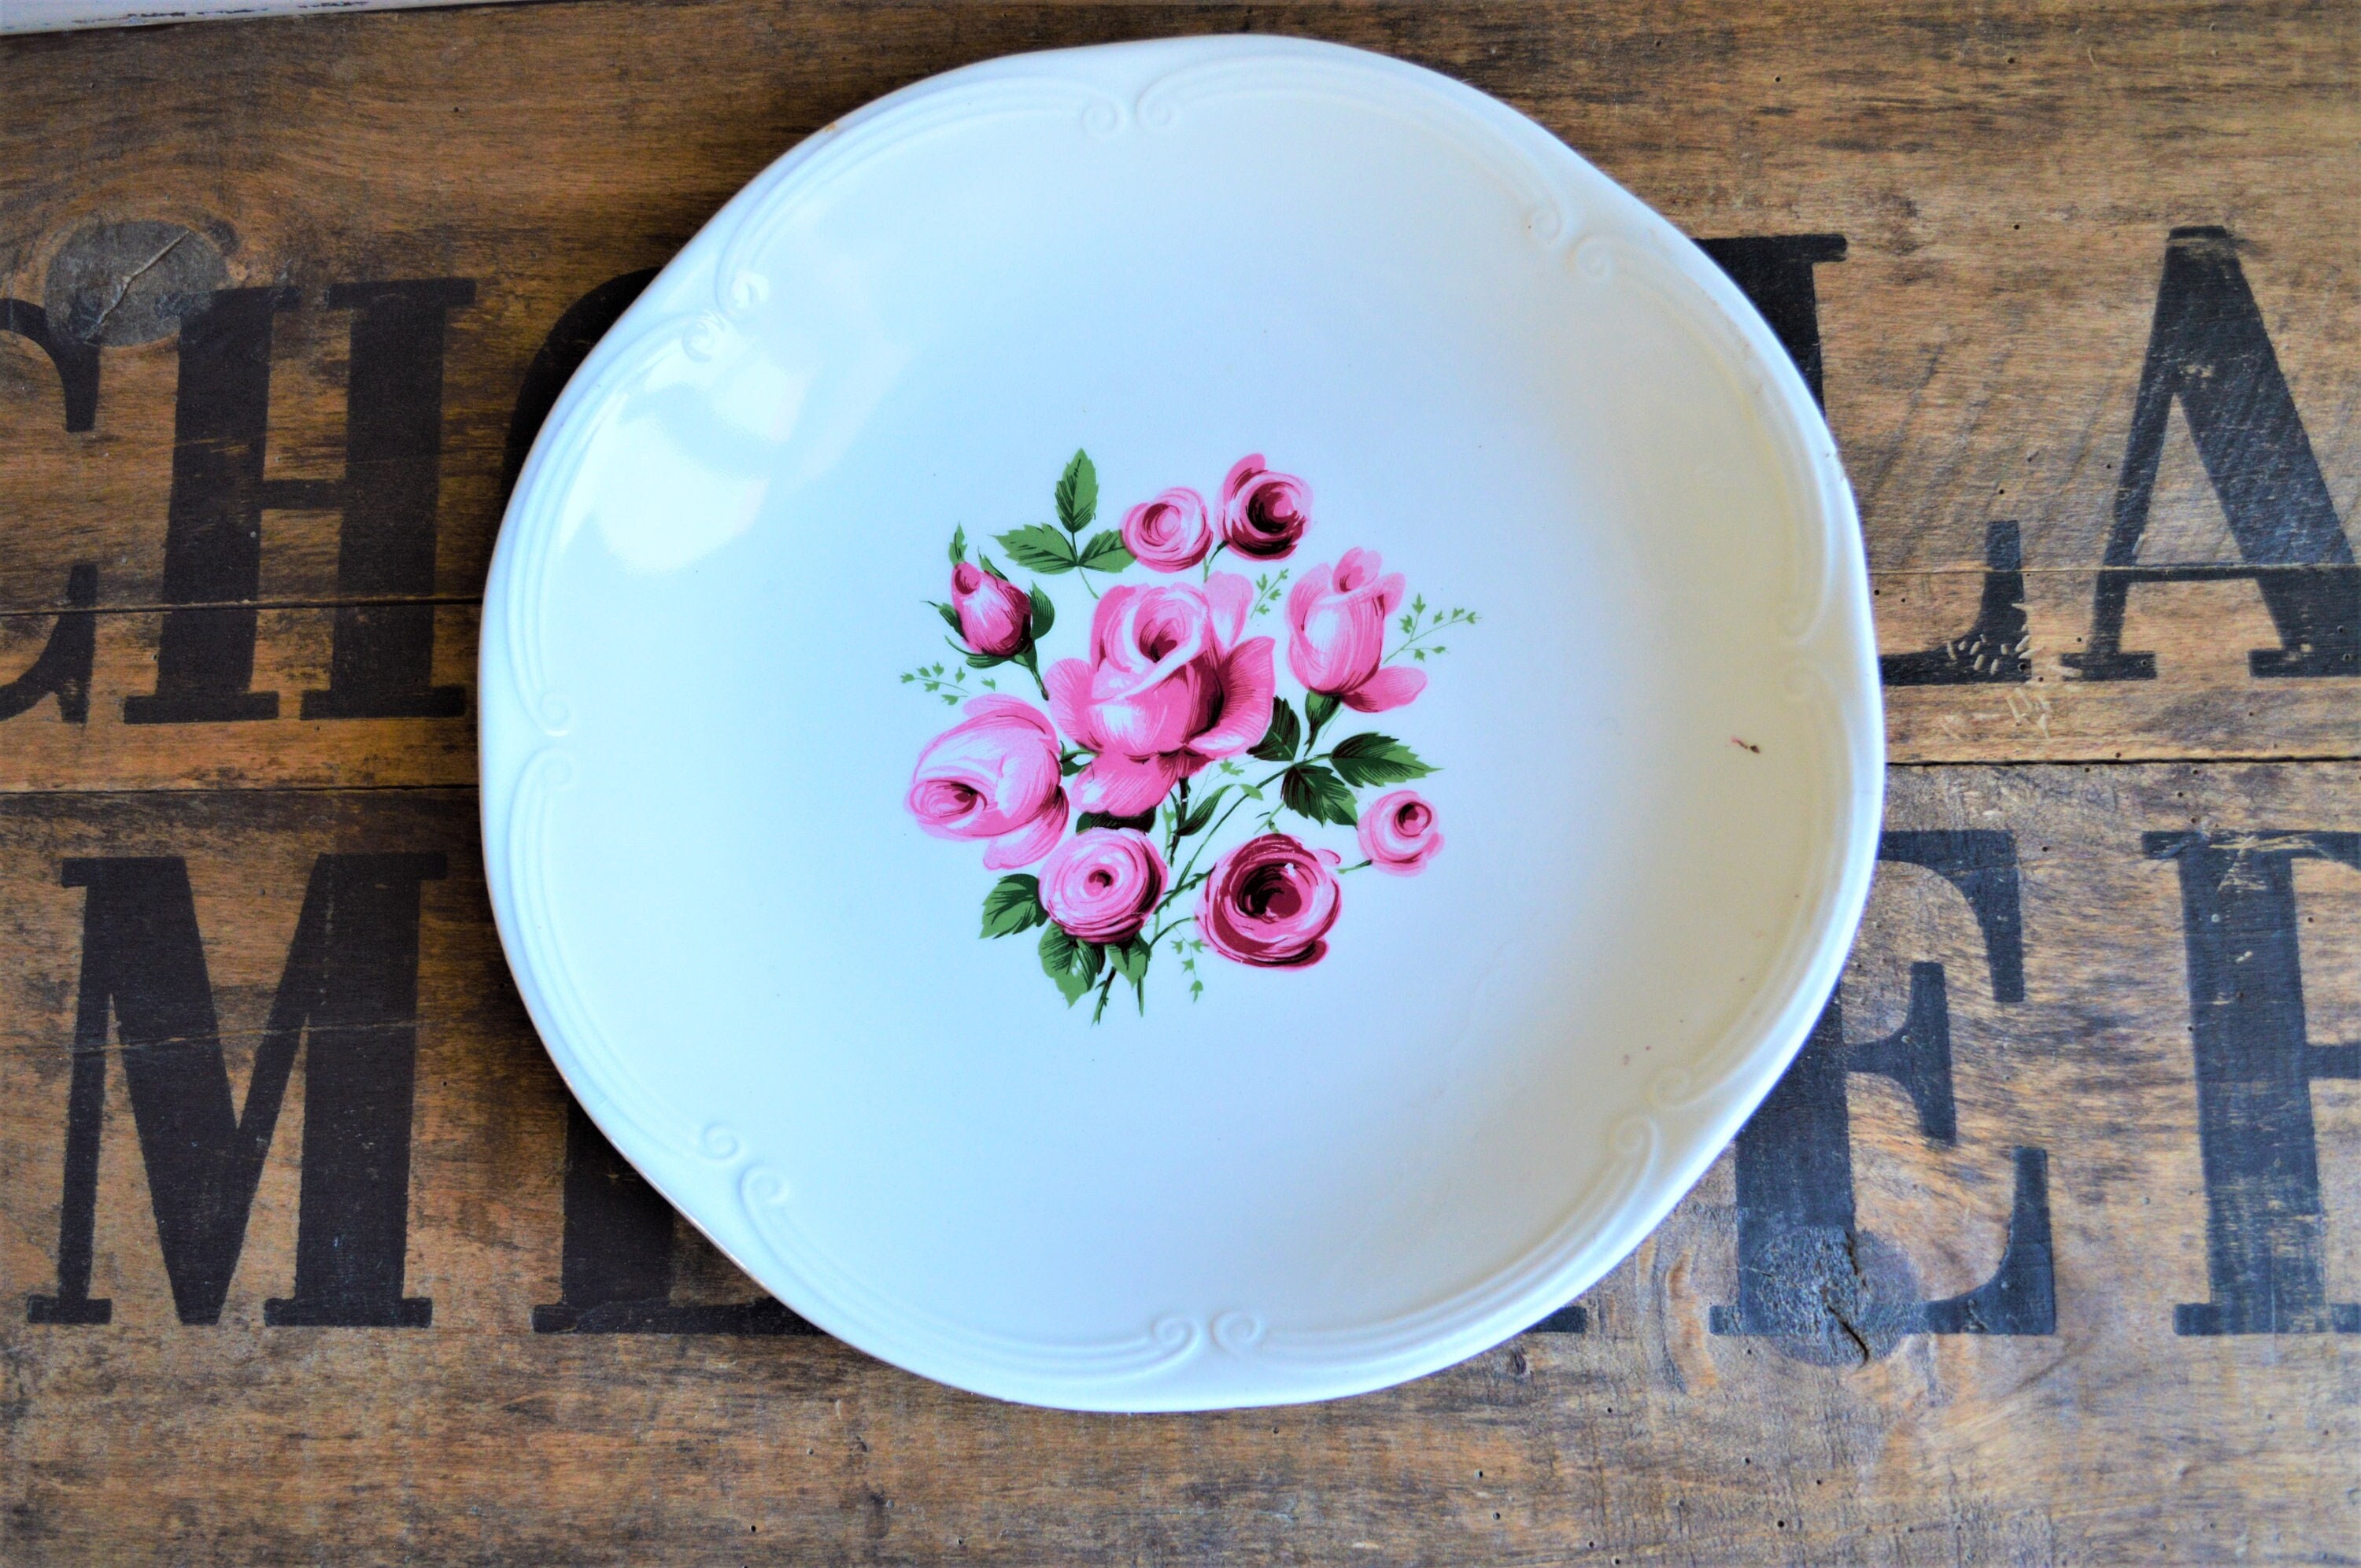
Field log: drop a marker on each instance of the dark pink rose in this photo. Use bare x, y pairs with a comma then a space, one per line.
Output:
1170, 533
1171, 683
1337, 616
995, 615
1264, 514
1397, 833
994, 775
1101, 886
1269, 902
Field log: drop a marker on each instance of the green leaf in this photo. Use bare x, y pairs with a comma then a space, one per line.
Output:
1013, 904
1073, 966
950, 615
1072, 763
985, 661
1279, 742
1037, 547
1310, 790
1077, 493
1130, 958
1376, 760
1089, 819
1202, 811
959, 544
1045, 614
1105, 552
985, 562
1320, 707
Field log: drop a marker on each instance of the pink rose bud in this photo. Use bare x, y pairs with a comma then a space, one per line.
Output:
1269, 902
1397, 833
1101, 886
994, 776
995, 615
1264, 514
1171, 683
1170, 533
1337, 616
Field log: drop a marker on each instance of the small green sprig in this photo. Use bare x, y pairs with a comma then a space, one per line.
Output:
1267, 589
947, 682
1418, 625
1186, 949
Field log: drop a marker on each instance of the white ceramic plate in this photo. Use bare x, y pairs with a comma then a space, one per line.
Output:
742, 829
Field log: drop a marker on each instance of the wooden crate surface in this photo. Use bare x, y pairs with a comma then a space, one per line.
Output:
2080, 285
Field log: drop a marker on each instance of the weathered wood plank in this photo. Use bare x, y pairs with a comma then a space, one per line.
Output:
2095, 1433
2003, 184
42, 749
2204, 700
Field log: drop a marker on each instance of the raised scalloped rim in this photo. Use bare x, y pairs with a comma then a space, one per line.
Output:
1209, 1354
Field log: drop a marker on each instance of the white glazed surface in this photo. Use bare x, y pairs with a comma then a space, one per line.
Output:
1491, 364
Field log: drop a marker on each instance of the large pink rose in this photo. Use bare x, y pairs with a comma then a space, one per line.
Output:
1171, 683
1170, 533
1264, 514
995, 615
994, 775
1269, 902
1101, 886
1397, 833
1337, 616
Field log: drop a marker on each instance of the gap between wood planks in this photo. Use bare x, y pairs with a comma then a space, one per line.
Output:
166, 607
192, 791
1877, 574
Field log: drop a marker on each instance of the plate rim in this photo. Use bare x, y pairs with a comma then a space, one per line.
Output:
1831, 627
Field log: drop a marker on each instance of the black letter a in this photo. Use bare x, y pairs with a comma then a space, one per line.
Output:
2208, 348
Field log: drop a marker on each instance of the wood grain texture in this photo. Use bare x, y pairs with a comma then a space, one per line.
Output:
2004, 182
2079, 1298
1652, 1437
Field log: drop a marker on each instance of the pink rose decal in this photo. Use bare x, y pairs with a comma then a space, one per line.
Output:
1264, 514
1397, 833
1171, 683
1269, 902
995, 615
1170, 533
1101, 886
1167, 729
1336, 620
994, 776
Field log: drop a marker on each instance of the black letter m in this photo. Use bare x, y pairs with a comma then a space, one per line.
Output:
351, 988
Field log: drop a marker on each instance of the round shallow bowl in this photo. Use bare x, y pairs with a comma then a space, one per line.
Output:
1179, 725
